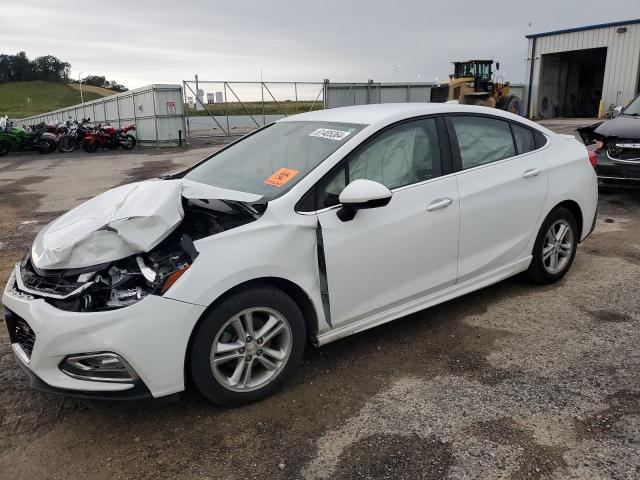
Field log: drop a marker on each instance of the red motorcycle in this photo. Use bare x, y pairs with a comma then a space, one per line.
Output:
109, 137
125, 139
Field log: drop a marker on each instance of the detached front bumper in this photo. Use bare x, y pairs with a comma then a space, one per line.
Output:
151, 336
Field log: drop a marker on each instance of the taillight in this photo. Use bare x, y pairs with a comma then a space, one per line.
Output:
593, 158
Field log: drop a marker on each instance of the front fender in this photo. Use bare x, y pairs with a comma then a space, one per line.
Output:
269, 247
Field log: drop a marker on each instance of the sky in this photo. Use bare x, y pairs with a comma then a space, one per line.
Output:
139, 42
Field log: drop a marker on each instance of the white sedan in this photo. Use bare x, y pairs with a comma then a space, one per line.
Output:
313, 228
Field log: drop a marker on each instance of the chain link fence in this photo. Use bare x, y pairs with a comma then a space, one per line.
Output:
227, 108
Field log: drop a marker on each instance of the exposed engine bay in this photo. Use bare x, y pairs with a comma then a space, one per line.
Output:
125, 281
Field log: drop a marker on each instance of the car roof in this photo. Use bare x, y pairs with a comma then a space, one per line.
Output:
390, 112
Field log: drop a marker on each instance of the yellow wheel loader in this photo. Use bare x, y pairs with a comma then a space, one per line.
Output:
472, 83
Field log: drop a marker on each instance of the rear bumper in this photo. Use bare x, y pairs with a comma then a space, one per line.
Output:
619, 182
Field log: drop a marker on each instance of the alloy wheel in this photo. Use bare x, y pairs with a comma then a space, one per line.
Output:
251, 349
558, 247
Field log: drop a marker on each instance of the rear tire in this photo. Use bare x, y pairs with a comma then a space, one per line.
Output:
4, 148
511, 104
43, 146
555, 247
268, 357
128, 142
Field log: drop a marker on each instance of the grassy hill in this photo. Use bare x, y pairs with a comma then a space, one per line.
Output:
105, 92
45, 96
289, 107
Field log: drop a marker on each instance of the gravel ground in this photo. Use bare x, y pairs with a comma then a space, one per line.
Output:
513, 381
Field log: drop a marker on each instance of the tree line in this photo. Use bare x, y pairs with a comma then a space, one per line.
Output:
19, 68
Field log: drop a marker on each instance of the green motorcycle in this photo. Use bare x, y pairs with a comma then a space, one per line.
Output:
18, 139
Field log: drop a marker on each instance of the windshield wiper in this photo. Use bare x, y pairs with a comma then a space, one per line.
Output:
631, 114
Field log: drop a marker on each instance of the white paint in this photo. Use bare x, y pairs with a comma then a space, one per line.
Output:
361, 191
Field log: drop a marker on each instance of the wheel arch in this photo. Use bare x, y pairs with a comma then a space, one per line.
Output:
297, 294
576, 211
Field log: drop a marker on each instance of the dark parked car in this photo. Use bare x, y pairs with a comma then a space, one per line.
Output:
616, 143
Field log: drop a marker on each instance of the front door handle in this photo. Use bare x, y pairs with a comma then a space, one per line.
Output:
439, 204
534, 172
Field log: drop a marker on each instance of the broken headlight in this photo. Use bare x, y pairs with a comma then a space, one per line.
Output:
114, 285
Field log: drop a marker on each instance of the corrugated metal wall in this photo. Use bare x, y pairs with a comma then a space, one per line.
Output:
621, 67
157, 111
348, 94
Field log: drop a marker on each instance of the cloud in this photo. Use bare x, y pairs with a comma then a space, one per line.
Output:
145, 41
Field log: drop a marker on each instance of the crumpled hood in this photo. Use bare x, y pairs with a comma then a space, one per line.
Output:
120, 222
622, 127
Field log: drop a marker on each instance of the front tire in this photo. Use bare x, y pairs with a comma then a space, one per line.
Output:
67, 144
555, 247
247, 346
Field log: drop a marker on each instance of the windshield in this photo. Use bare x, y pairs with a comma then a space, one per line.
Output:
273, 160
633, 108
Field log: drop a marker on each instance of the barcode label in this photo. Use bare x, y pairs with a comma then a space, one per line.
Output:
329, 133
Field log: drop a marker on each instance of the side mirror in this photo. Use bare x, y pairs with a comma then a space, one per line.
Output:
617, 111
497, 65
362, 194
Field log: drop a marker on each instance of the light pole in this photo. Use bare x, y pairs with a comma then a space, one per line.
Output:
81, 96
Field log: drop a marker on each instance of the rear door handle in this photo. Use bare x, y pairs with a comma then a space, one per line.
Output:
534, 172
439, 204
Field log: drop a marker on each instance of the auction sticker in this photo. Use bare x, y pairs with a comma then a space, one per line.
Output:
329, 133
281, 177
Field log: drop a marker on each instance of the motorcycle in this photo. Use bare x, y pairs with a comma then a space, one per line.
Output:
109, 137
100, 137
18, 139
74, 136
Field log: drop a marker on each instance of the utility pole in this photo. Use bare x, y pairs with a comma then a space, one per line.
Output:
264, 117
81, 96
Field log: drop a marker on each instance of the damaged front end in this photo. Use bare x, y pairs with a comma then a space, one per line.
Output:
125, 281
616, 144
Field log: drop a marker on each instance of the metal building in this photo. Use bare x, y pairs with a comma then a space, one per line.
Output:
581, 72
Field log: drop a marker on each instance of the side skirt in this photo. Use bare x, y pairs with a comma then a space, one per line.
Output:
413, 306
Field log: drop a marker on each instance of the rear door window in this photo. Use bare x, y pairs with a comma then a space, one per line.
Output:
482, 140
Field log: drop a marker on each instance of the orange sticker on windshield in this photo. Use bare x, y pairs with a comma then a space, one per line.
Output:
281, 177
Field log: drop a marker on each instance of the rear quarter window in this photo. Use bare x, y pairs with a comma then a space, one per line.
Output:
540, 139
524, 137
